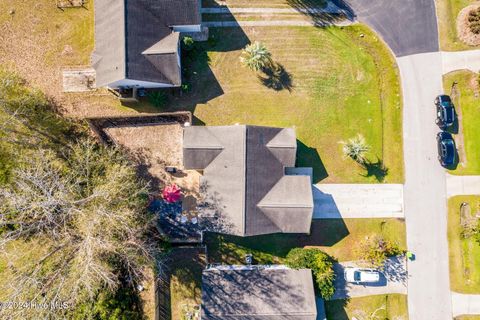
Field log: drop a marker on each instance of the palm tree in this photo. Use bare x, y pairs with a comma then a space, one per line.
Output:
256, 56
356, 148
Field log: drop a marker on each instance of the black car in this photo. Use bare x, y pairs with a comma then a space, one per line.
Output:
446, 149
445, 111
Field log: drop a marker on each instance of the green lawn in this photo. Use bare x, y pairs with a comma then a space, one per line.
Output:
467, 103
447, 12
337, 237
344, 81
464, 253
392, 306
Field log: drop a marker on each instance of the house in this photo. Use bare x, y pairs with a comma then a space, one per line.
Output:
258, 292
245, 178
137, 42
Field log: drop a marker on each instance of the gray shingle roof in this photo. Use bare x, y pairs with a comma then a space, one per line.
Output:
244, 174
125, 29
267, 294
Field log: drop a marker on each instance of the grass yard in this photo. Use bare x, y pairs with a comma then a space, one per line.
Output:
186, 279
467, 103
337, 237
447, 12
464, 253
469, 317
338, 82
392, 306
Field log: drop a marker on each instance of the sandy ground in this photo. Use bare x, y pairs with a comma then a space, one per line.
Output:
157, 146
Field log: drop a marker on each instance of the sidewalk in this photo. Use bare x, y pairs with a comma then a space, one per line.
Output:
459, 60
464, 304
462, 185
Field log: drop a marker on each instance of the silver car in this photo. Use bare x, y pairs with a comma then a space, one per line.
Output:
360, 275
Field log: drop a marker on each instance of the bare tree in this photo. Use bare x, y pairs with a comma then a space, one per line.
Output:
83, 217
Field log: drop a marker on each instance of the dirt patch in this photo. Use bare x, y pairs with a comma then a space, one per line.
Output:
154, 147
463, 29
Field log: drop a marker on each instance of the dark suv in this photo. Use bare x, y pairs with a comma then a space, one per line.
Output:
445, 111
446, 149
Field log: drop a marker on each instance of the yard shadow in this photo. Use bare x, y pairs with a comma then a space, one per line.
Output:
199, 81
309, 157
375, 169
324, 13
324, 232
276, 77
335, 309
324, 205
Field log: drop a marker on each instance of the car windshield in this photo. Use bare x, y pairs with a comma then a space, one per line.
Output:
357, 276
449, 150
448, 113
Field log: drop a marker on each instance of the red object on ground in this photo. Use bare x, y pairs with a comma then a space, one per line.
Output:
171, 193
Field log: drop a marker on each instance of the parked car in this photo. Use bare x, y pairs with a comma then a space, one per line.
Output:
445, 111
446, 149
359, 275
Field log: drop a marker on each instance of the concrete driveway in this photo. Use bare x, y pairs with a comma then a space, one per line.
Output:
408, 26
334, 201
392, 280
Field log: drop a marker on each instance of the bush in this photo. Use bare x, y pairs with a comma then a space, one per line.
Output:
474, 20
158, 98
376, 249
124, 304
188, 43
321, 265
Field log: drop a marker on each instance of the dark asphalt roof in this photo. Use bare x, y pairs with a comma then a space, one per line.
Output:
244, 174
125, 30
258, 294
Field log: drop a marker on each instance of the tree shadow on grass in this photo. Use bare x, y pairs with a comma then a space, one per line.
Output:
309, 157
276, 77
375, 169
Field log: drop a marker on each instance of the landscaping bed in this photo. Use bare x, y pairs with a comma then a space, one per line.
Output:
337, 237
338, 82
447, 14
466, 98
392, 306
464, 253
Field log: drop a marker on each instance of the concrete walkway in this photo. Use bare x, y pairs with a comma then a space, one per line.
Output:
464, 304
330, 8
425, 190
392, 280
459, 60
273, 23
462, 185
334, 201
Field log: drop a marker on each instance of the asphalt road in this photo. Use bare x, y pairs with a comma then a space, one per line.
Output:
408, 26
425, 190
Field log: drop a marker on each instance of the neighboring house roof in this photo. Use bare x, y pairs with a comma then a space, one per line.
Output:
134, 39
256, 293
244, 175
